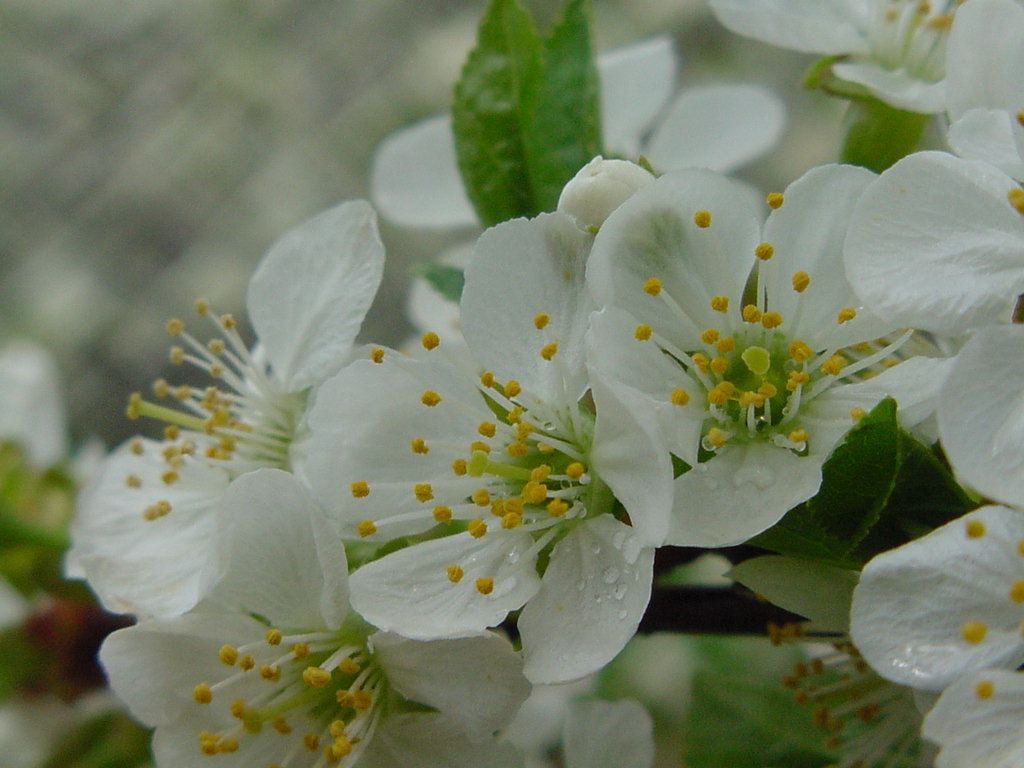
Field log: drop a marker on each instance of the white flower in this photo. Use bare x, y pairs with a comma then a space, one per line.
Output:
752, 393
984, 89
143, 527
31, 408
608, 734
599, 188
894, 48
502, 461
415, 179
274, 669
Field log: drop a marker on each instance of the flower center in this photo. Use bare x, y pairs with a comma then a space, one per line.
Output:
912, 35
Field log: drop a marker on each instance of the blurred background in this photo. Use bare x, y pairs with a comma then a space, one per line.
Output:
151, 150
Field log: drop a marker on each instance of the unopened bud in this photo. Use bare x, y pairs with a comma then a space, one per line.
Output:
599, 188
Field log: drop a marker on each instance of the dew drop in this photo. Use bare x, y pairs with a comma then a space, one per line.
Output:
610, 574
756, 474
512, 557
595, 548
619, 539
711, 483
623, 615
620, 591
631, 550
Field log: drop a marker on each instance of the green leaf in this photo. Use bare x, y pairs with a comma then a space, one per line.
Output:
526, 115
488, 114
445, 279
110, 740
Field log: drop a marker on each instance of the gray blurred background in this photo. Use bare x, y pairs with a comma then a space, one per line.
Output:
151, 150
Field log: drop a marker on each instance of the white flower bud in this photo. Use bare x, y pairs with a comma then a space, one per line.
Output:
599, 188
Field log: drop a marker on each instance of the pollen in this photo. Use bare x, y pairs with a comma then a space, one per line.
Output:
575, 470
751, 314
300, 651
984, 689
1017, 592
800, 281
270, 672
702, 219
710, 336
680, 397
719, 365
834, 365
720, 303
227, 322
442, 514
846, 315
273, 637
419, 445
642, 332
717, 396
1016, 198
202, 694
360, 489
176, 355
858, 413
557, 508
717, 437
316, 677
545, 448
771, 320
366, 528
800, 352
477, 528
796, 380
377, 355
548, 350
487, 428
460, 467
485, 586
700, 360
430, 398
652, 286
424, 492
726, 344
174, 327
480, 446
281, 726
535, 493
975, 529
311, 741
512, 388
430, 340
517, 449
764, 251
133, 481
973, 631
540, 320
541, 473
511, 520
228, 655
487, 379
156, 511
361, 700
246, 663
798, 436
775, 200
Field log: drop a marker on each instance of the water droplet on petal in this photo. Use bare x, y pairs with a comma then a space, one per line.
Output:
595, 548
618, 539
711, 483
512, 557
631, 550
623, 615
620, 592
757, 475
610, 574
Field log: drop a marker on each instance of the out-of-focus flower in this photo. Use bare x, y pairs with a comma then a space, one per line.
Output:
32, 413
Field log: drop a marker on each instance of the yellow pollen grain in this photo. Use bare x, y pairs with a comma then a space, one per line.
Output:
201, 307
800, 281
300, 651
487, 379
281, 725
202, 694
540, 320
719, 365
137, 447
751, 314
366, 528
377, 355
642, 332
726, 344
430, 340
361, 700
767, 389
541, 473
771, 320
316, 677
273, 636
487, 428
419, 445
800, 352
834, 365
1016, 198
717, 396
846, 315
557, 508
984, 689
156, 511
348, 666
973, 631
246, 663
270, 672
455, 574
775, 200
720, 303
442, 514
575, 470
498, 507
485, 586
176, 355
975, 529
424, 492
524, 430
161, 389
748, 399
534, 492
227, 745
517, 449
311, 741
717, 437
1020, 547
476, 528
798, 436
174, 326
337, 729
511, 520
512, 388
858, 413
1017, 592
702, 219
764, 251
514, 504
133, 481
700, 360
237, 708
710, 336
545, 448
478, 445
680, 396
548, 350
430, 398
360, 489
460, 467
227, 322
228, 655
652, 286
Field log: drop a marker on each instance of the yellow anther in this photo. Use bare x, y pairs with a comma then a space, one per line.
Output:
366, 528
360, 489
858, 413
702, 219
300, 651
798, 436
133, 481
511, 520
541, 319
517, 449
680, 397
201, 307
748, 399
349, 666
973, 631
717, 397
137, 447
227, 322
545, 448
134, 407
767, 389
710, 336
316, 677
726, 344
481, 497
281, 726
175, 326
442, 514
717, 437
202, 694
512, 388
575, 470
227, 745
337, 729
775, 200
487, 428
337, 750
796, 380
548, 350
273, 636
455, 574
534, 492
361, 700
460, 467
764, 251
720, 303
487, 379
156, 511
642, 332
524, 429
557, 508
1017, 592
846, 315
161, 388
477, 445
771, 320
430, 399
800, 281
270, 672
984, 689
800, 352
424, 492
652, 286
419, 445
834, 365
485, 586
171, 432
1016, 198
228, 655
1020, 547
237, 708
515, 415
476, 528
216, 346
377, 355
311, 742
246, 663
719, 365
207, 743
700, 360
1020, 117
498, 507
430, 340
169, 477
975, 529
751, 314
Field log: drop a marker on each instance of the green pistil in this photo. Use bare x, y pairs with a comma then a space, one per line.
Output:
480, 464
757, 359
168, 415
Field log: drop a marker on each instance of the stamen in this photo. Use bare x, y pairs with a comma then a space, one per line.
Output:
775, 200
702, 219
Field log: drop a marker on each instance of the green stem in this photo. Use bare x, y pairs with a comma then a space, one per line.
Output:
879, 135
14, 531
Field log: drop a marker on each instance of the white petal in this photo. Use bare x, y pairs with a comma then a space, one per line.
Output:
984, 57
897, 88
432, 741
717, 127
811, 26
975, 731
988, 135
519, 269
594, 593
636, 83
981, 413
821, 593
310, 293
31, 406
409, 591
912, 602
415, 179
609, 734
960, 244
159, 567
739, 493
280, 559
477, 682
